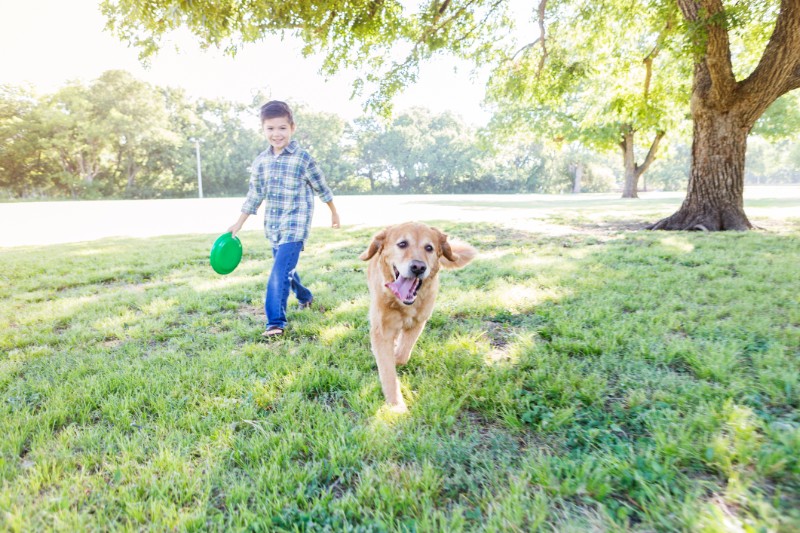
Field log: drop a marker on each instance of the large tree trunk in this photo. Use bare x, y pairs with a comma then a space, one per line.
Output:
724, 110
716, 183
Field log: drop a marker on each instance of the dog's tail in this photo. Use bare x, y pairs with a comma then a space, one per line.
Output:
460, 253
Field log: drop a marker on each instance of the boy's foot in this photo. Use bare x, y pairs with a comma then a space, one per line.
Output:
272, 331
305, 305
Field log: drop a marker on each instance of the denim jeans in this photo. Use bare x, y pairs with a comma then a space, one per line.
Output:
282, 279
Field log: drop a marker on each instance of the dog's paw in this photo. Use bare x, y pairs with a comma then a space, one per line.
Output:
398, 408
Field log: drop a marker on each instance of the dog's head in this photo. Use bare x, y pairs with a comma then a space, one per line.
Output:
411, 253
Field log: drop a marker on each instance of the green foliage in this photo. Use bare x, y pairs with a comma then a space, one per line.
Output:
781, 120
325, 136
612, 380
23, 166
386, 40
418, 152
120, 137
581, 83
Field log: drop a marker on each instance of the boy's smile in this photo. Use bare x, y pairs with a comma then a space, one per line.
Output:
279, 133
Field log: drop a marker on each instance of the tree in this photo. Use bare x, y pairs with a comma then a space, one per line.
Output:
725, 109
366, 133
605, 89
134, 115
323, 135
419, 152
78, 139
25, 165
230, 142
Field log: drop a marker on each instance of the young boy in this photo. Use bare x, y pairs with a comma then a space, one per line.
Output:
286, 176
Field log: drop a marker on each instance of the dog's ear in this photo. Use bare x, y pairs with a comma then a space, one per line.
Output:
447, 252
455, 254
374, 246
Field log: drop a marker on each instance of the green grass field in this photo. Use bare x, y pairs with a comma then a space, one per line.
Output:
604, 380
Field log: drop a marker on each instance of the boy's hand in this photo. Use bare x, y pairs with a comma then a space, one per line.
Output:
233, 230
334, 220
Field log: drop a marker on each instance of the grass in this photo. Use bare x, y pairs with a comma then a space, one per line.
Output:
601, 380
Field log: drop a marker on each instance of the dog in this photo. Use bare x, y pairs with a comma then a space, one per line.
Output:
402, 275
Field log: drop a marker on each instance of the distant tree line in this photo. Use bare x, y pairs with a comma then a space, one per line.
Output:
119, 137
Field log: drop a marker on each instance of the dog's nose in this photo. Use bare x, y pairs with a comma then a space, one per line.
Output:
418, 268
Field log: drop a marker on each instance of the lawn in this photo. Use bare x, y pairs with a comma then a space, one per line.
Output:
607, 379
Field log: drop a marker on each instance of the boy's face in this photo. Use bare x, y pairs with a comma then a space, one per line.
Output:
279, 132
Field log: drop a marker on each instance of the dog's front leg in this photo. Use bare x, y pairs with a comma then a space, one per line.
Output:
382, 348
408, 338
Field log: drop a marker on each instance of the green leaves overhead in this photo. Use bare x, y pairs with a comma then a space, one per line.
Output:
385, 39
596, 66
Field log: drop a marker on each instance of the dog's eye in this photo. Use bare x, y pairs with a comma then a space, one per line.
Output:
429, 248
402, 244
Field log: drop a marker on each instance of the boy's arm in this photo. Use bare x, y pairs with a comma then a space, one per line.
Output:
334, 214
239, 223
255, 195
317, 182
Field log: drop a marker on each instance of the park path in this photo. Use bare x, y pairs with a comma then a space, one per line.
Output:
42, 223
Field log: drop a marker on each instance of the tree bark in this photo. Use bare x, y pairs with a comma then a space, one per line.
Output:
714, 200
629, 190
634, 171
576, 184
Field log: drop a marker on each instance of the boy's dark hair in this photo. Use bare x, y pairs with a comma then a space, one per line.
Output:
275, 109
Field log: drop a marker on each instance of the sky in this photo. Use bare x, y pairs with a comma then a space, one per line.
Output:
46, 43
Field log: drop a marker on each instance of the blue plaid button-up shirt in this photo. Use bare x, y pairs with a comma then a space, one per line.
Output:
287, 183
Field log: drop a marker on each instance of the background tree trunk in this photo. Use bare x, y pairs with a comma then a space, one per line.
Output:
633, 171
629, 190
576, 184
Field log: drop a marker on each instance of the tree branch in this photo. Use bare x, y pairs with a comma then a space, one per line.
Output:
651, 154
778, 71
648, 60
716, 56
648, 73
540, 10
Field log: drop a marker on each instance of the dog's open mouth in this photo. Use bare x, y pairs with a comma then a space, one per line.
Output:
404, 288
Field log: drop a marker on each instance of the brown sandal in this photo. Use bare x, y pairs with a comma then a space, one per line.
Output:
272, 331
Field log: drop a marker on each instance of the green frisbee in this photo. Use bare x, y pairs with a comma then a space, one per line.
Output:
226, 254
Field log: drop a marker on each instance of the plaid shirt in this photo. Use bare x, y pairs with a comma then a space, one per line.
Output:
287, 183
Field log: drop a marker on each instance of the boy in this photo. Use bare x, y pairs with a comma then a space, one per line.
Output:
286, 176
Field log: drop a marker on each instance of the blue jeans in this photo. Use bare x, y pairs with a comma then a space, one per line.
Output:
282, 279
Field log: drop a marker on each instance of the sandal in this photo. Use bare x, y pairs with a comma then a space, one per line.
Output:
272, 331
305, 305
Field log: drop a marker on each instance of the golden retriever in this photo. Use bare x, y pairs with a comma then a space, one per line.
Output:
403, 280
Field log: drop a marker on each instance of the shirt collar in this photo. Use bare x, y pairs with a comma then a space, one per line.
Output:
290, 148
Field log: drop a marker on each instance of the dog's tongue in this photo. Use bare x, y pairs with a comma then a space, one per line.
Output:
403, 288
